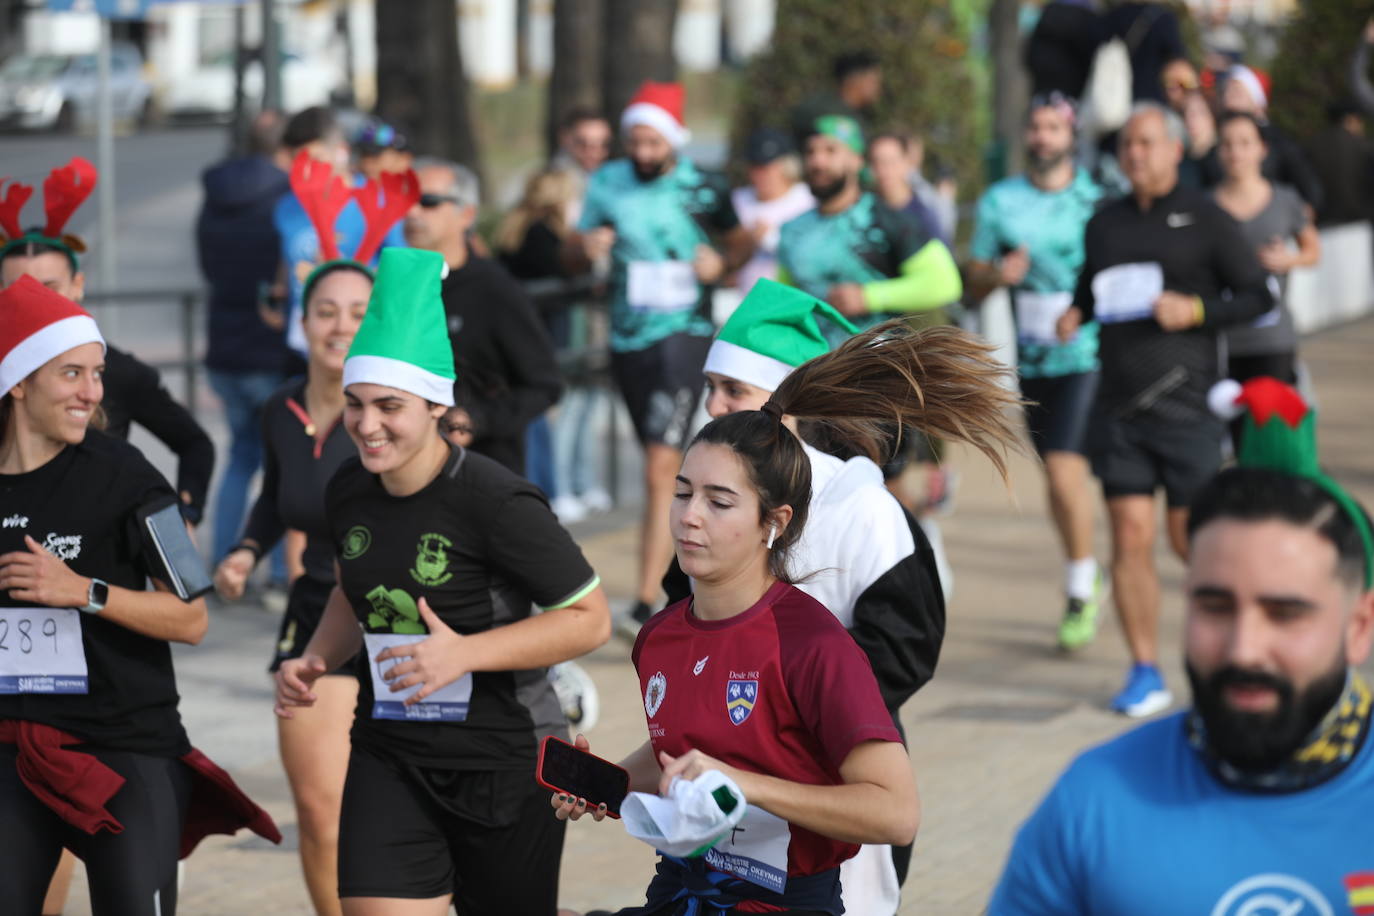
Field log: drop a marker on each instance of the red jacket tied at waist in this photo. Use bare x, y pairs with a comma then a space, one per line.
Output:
76, 786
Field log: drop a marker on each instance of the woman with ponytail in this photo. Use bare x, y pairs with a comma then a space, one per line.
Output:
752, 678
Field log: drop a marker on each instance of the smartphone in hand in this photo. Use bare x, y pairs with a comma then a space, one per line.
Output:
566, 768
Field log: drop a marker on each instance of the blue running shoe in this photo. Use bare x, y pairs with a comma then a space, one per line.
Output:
1144, 693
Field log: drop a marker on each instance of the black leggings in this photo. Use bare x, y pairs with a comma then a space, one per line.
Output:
132, 873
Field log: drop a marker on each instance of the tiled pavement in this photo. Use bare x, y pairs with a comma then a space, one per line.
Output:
1003, 716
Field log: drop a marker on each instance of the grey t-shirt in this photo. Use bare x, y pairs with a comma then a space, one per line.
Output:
1272, 332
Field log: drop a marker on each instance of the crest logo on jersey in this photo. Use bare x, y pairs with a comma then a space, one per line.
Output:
700, 665
654, 692
740, 697
356, 542
431, 560
1273, 893
66, 547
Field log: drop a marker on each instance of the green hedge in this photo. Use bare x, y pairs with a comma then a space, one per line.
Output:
927, 74
1310, 71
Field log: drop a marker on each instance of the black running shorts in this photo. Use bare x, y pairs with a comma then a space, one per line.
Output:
661, 385
487, 837
1058, 417
1135, 457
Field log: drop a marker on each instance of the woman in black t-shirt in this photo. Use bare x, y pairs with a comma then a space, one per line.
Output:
304, 443
88, 659
442, 554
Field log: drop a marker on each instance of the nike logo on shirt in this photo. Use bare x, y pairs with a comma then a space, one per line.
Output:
1179, 220
700, 665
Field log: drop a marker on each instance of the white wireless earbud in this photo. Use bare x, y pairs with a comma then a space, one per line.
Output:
772, 535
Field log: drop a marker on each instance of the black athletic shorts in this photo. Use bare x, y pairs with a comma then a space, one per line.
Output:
661, 385
1058, 418
304, 610
1134, 457
1282, 366
131, 873
487, 837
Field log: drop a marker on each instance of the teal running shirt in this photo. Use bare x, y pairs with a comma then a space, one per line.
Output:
1014, 212
866, 243
658, 226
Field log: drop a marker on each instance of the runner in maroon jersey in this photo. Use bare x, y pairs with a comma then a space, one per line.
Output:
752, 677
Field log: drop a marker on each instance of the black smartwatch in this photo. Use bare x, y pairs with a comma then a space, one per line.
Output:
96, 597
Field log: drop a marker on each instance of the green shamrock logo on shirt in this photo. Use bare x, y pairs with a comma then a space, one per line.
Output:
395, 610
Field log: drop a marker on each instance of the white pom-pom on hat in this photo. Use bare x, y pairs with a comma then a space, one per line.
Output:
1221, 398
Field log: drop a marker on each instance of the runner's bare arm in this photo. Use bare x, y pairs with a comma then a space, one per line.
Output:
38, 576
878, 802
338, 637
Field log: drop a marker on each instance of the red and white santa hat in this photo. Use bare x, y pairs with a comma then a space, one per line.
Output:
658, 105
36, 325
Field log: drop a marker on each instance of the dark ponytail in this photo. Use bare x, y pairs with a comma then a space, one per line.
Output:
942, 381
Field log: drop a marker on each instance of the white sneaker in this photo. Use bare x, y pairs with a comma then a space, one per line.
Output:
569, 509
597, 500
576, 694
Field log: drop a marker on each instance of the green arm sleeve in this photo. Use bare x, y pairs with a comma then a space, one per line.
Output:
929, 279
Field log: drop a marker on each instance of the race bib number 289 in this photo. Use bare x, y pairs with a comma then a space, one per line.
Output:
41, 651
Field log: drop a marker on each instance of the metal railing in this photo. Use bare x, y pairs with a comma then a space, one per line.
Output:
585, 362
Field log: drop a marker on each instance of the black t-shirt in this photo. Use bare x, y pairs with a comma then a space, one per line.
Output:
296, 467
83, 506
482, 547
1148, 372
134, 393
506, 364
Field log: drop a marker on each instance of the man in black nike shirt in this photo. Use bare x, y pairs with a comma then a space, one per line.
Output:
1164, 270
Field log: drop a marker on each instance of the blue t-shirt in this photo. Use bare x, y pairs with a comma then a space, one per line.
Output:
658, 225
1014, 212
300, 250
1140, 827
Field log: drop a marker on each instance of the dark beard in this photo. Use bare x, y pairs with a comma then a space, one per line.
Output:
824, 192
1261, 742
652, 170
1041, 165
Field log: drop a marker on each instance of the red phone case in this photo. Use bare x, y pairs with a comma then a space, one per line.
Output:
539, 770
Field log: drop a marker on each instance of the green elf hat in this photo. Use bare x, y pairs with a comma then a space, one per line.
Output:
1279, 433
773, 331
403, 340
842, 128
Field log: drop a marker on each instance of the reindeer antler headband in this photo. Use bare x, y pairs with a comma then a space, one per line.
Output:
323, 195
64, 190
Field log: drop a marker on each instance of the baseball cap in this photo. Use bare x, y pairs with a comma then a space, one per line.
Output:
766, 144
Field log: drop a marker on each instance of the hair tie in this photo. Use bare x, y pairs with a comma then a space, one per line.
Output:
773, 409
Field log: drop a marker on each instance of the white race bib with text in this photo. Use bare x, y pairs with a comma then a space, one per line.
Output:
448, 704
41, 651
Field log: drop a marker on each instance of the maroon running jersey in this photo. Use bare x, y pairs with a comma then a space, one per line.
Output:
781, 689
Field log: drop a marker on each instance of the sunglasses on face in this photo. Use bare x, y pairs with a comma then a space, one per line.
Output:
430, 201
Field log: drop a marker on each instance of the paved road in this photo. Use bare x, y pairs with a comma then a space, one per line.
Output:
1003, 716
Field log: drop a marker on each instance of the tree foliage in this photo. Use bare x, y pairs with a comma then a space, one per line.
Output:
924, 48
1312, 67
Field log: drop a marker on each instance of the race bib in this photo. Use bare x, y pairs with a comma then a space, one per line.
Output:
1037, 314
41, 651
755, 851
450, 704
662, 286
1127, 292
